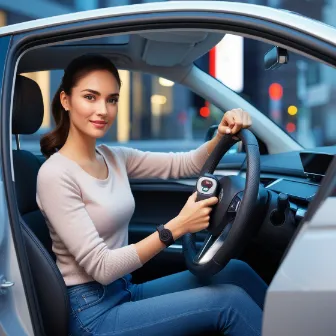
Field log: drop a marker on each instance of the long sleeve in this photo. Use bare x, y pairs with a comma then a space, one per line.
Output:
59, 198
141, 164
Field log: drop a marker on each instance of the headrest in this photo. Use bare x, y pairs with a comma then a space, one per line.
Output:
28, 106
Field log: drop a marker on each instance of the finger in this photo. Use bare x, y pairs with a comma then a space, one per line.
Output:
238, 122
229, 118
210, 201
249, 121
241, 112
204, 225
229, 121
193, 197
246, 122
223, 129
206, 211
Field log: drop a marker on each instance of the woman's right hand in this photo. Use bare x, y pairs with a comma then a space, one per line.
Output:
195, 216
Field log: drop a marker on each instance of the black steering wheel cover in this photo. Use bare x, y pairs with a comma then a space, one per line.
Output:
240, 231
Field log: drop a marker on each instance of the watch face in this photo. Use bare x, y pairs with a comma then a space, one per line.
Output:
165, 235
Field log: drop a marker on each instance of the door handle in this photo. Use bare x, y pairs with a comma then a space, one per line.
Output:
4, 285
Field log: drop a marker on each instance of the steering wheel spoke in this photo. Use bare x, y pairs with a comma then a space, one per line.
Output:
212, 246
208, 241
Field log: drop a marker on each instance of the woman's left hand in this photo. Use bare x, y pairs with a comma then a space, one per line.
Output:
233, 121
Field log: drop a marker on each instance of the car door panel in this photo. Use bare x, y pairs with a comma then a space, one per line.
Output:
157, 202
14, 314
305, 280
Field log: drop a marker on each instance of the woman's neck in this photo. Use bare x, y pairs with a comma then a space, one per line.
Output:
79, 146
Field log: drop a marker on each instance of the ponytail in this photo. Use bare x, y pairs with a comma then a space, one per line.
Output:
55, 140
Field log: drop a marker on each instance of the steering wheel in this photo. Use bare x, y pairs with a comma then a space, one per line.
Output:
231, 221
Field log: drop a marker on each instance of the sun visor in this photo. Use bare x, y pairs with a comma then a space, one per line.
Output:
177, 48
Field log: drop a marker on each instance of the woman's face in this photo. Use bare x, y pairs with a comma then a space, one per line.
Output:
93, 103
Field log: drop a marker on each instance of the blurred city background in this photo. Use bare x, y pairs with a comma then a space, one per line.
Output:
157, 114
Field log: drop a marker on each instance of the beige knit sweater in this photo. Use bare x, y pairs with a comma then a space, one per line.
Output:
88, 218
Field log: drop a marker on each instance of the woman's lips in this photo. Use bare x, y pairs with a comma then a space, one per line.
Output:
98, 123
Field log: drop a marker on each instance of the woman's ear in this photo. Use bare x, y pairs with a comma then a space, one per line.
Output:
64, 100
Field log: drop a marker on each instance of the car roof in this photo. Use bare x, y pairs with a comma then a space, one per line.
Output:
290, 19
172, 51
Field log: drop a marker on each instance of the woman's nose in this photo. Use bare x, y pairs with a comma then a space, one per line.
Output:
102, 110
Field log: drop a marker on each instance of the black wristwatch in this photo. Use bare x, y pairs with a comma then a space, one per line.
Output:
165, 235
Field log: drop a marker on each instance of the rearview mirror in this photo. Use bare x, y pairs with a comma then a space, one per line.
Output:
275, 58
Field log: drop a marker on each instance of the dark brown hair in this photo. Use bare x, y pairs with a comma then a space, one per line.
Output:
79, 67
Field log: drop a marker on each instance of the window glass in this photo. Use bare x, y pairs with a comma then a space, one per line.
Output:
158, 115
153, 114
298, 96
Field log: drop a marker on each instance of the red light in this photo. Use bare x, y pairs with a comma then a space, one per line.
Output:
204, 112
212, 62
290, 127
275, 91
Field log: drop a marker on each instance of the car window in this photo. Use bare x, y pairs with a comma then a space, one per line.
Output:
158, 115
153, 114
298, 96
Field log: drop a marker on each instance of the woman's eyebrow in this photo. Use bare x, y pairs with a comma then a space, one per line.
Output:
98, 93
92, 91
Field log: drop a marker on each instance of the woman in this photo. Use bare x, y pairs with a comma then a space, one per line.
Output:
89, 212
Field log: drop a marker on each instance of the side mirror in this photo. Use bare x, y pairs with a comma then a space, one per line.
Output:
275, 58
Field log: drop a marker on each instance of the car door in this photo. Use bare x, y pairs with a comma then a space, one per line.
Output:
301, 299
15, 317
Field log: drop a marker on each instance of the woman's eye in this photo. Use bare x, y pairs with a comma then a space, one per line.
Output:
113, 100
89, 97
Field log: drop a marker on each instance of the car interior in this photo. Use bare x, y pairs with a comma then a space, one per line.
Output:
289, 179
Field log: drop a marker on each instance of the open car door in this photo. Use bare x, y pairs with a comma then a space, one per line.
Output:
301, 299
14, 314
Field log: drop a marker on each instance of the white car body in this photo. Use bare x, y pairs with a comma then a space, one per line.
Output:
301, 300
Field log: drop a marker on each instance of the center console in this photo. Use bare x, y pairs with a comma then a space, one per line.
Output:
289, 199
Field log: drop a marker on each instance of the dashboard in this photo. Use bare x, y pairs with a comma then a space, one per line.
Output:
288, 163
314, 168
302, 191
306, 167
292, 180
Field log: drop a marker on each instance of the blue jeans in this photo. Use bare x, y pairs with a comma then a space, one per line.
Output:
231, 302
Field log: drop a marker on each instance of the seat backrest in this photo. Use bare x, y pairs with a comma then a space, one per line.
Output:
50, 288
26, 167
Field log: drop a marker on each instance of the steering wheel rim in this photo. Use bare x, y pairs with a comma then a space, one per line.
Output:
216, 253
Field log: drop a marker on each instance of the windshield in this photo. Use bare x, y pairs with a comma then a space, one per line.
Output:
298, 96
